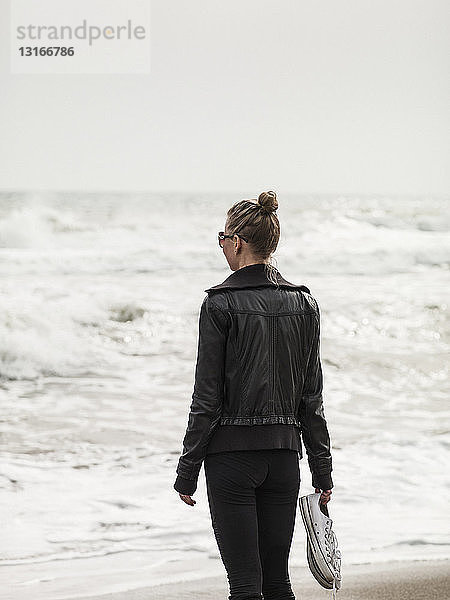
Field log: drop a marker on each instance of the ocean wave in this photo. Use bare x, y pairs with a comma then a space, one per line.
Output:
43, 338
34, 226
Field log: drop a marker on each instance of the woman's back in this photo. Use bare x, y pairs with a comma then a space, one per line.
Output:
258, 380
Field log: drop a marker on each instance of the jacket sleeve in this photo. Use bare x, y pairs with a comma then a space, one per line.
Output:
207, 398
312, 417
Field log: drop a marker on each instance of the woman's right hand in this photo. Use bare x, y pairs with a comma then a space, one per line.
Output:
325, 495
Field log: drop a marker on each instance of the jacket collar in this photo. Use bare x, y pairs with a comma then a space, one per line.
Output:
253, 276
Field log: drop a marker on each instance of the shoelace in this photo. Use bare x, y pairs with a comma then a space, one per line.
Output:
333, 591
334, 556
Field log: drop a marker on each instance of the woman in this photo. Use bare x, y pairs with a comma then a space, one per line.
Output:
258, 387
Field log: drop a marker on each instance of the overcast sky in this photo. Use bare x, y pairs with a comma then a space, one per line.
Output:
321, 96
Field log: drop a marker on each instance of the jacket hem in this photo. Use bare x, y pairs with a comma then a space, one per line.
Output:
236, 437
260, 420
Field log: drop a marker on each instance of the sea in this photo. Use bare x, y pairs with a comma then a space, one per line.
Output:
99, 304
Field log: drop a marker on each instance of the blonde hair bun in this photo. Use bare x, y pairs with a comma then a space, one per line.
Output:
268, 201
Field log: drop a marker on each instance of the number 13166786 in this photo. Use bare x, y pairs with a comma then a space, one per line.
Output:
46, 51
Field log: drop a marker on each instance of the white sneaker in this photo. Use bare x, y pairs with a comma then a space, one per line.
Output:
323, 554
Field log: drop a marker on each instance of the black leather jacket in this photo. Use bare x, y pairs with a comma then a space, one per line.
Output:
258, 363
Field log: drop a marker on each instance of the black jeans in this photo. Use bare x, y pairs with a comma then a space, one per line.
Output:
253, 497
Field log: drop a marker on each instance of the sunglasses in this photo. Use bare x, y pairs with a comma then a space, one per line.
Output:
221, 236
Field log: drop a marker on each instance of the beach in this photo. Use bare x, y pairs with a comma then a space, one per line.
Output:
98, 342
402, 580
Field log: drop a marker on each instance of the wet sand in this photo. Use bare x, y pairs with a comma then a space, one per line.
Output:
403, 580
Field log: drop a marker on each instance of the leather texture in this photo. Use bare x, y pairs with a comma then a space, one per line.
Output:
258, 363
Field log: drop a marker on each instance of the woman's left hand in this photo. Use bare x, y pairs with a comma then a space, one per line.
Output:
325, 495
187, 499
